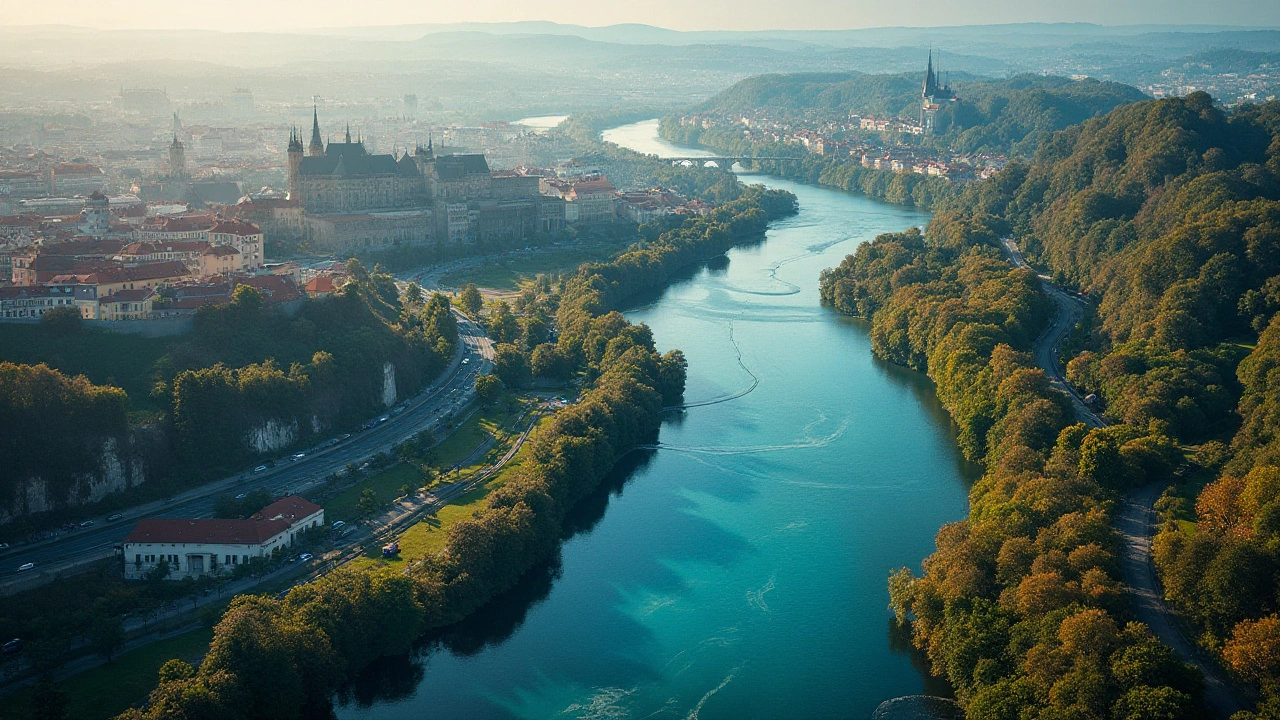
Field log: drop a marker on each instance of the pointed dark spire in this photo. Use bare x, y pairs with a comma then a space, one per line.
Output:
317, 143
348, 133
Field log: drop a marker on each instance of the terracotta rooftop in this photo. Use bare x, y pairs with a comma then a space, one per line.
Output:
207, 531
235, 227
291, 508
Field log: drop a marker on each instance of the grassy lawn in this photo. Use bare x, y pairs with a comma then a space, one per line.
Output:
385, 484
428, 536
108, 690
488, 423
509, 271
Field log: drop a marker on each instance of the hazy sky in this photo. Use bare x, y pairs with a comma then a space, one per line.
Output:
678, 14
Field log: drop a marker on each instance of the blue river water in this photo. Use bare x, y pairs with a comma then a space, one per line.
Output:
737, 570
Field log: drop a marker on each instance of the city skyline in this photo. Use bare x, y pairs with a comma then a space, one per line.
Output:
745, 15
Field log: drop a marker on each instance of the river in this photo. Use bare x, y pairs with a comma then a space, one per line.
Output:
739, 569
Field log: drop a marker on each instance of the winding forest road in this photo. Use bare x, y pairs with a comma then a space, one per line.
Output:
1136, 520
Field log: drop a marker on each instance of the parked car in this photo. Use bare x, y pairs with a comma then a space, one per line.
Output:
242, 496
305, 557
87, 523
113, 518
26, 566
345, 436
338, 524
260, 468
298, 456
13, 646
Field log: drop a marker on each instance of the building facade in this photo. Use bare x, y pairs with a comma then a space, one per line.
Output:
192, 548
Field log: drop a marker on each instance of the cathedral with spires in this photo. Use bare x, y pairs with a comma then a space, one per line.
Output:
353, 198
935, 92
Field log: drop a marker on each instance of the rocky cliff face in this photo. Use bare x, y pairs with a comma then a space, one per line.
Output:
273, 435
120, 464
388, 384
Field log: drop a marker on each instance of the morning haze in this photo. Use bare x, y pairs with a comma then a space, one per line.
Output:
657, 360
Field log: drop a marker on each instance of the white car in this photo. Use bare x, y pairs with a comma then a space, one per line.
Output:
337, 525
299, 456
26, 567
305, 557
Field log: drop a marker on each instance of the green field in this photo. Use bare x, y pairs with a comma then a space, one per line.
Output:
428, 536
110, 689
492, 423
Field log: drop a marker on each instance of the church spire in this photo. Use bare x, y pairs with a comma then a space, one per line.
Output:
317, 143
348, 133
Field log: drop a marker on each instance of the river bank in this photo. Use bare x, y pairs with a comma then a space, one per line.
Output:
737, 567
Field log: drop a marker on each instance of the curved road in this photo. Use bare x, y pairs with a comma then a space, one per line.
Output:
452, 391
1136, 520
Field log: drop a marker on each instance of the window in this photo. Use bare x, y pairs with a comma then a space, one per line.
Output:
137, 559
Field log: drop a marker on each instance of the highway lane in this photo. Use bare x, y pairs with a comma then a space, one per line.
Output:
431, 409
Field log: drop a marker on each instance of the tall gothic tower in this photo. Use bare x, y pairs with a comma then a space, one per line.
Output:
295, 165
316, 148
177, 160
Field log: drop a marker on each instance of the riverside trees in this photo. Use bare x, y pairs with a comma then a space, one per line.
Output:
1163, 211
283, 658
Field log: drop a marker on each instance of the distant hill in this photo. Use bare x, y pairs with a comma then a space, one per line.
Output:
1010, 115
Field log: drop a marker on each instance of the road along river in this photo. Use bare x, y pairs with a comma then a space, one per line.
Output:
738, 569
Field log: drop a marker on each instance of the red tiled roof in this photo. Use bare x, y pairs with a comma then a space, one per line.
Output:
76, 168
148, 248
220, 250
136, 295
208, 531
291, 508
320, 284
235, 227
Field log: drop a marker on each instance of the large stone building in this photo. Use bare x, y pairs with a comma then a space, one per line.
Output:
351, 198
196, 547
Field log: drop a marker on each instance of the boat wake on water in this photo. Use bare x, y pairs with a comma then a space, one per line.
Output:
752, 449
755, 381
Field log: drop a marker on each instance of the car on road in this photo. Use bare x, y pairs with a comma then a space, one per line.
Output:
337, 525
384, 418
242, 496
305, 557
13, 646
260, 468
26, 566
346, 436
465, 361
398, 410
298, 456
113, 518
87, 523
369, 424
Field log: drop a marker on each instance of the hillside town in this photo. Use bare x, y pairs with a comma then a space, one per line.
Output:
168, 244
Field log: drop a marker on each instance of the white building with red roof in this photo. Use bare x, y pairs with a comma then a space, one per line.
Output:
196, 547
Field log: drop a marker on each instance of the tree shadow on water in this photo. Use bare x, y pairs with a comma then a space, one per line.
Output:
900, 644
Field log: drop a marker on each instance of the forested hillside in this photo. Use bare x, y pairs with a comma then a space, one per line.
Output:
1163, 212
248, 381
1009, 115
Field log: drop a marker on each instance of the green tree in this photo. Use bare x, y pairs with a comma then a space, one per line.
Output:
412, 294
470, 300
48, 700
368, 503
107, 636
488, 388
510, 366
